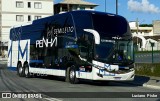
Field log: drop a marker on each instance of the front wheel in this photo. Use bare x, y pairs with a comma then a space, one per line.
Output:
72, 75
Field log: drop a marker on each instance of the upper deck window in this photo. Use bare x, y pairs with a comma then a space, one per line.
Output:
109, 25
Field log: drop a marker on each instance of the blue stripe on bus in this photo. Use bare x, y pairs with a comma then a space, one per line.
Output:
22, 52
12, 68
122, 67
15, 69
10, 52
71, 46
37, 61
50, 68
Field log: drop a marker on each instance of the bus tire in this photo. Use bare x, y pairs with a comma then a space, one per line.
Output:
20, 70
26, 70
72, 75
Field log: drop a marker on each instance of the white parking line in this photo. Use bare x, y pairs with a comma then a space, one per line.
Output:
52, 99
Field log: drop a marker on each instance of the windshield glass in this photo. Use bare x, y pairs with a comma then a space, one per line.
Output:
110, 25
114, 51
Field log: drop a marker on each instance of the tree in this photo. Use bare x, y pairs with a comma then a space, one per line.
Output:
145, 25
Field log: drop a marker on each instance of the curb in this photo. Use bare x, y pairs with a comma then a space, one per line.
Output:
151, 86
143, 85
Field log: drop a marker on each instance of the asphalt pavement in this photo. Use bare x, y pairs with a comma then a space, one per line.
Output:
11, 82
147, 81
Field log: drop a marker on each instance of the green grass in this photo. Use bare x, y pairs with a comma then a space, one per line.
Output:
148, 69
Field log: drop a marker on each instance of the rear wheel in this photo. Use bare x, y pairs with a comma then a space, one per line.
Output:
26, 70
20, 70
72, 75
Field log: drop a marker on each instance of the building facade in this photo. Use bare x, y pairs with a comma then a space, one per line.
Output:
19, 12
151, 35
72, 5
156, 27
144, 31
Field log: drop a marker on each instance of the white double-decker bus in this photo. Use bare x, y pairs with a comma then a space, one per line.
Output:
76, 45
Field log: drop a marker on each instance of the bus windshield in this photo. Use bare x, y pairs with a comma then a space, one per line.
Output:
116, 46
115, 52
108, 25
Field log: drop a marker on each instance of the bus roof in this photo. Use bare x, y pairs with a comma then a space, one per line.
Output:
83, 12
80, 17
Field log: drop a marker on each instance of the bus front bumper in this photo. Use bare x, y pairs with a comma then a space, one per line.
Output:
115, 77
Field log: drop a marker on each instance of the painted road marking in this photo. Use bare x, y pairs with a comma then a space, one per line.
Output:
53, 99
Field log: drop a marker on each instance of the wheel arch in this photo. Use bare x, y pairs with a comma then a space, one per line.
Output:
19, 62
69, 64
26, 62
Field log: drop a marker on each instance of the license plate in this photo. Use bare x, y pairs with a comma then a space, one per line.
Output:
117, 78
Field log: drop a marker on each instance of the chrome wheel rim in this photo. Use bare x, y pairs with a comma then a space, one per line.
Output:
72, 74
20, 69
26, 71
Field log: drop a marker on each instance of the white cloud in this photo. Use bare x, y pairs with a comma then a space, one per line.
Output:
144, 6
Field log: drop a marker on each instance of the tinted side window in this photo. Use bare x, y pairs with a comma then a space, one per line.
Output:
82, 21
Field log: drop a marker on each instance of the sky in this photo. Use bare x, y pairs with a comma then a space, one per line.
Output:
145, 10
